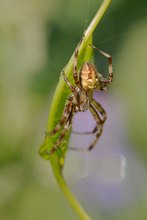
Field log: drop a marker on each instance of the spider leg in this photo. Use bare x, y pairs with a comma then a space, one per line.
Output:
66, 114
110, 68
98, 129
85, 133
72, 88
99, 126
100, 109
75, 71
67, 126
103, 114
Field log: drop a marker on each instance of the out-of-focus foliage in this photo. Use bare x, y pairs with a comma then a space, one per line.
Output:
132, 60
36, 40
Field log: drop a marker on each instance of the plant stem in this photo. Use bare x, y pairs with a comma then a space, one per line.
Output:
97, 18
69, 195
55, 103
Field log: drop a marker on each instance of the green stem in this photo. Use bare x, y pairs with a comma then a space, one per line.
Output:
61, 93
72, 200
97, 18
57, 172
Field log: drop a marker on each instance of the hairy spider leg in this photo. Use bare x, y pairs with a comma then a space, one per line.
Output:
99, 126
86, 132
100, 110
66, 112
98, 129
72, 88
67, 108
103, 114
75, 70
110, 68
67, 127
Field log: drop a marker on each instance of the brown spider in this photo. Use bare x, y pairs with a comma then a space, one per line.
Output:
81, 99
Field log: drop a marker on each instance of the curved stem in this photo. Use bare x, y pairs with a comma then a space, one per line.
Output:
97, 18
57, 172
70, 197
57, 160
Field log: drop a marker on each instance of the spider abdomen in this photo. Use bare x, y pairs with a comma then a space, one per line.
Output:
88, 76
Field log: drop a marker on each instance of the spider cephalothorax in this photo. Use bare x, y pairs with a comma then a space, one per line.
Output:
81, 99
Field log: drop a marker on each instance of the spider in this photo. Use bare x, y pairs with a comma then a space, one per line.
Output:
87, 79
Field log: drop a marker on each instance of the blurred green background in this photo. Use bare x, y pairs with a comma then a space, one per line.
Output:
36, 40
